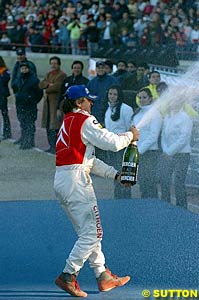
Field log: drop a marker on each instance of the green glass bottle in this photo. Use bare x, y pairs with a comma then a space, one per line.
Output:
130, 164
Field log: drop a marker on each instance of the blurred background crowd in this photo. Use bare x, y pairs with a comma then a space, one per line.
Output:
81, 27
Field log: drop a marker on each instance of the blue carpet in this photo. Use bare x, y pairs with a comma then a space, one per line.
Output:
154, 242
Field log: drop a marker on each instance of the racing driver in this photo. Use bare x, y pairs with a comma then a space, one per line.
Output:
79, 133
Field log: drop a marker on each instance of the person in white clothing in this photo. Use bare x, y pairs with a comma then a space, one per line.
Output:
175, 141
149, 121
79, 133
117, 119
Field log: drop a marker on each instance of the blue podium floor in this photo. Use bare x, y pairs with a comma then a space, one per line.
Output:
154, 242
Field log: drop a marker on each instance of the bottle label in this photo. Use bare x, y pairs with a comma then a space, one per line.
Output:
136, 175
127, 178
128, 164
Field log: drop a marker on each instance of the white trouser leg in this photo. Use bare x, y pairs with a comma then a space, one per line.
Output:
97, 260
81, 207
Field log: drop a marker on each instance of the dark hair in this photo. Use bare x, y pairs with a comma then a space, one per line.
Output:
138, 109
153, 72
145, 65
109, 63
147, 91
67, 105
56, 58
122, 61
116, 115
2, 62
132, 62
79, 62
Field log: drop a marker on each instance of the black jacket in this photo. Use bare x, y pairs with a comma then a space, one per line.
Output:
26, 89
70, 81
16, 71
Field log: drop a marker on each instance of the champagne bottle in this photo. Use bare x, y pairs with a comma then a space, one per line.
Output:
130, 164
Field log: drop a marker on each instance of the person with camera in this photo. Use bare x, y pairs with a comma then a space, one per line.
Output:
76, 29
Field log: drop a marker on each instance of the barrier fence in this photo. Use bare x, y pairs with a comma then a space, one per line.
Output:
160, 55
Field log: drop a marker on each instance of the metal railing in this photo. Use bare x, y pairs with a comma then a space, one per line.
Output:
172, 54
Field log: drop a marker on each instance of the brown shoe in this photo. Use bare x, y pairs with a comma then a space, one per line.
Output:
68, 283
108, 281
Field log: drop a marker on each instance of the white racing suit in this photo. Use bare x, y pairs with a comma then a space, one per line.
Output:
75, 160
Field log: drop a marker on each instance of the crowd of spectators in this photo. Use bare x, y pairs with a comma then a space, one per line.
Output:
124, 96
80, 27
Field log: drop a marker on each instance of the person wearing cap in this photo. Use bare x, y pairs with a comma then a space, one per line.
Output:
27, 95
21, 57
79, 133
98, 86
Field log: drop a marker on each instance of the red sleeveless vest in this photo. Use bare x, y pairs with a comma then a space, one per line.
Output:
69, 147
